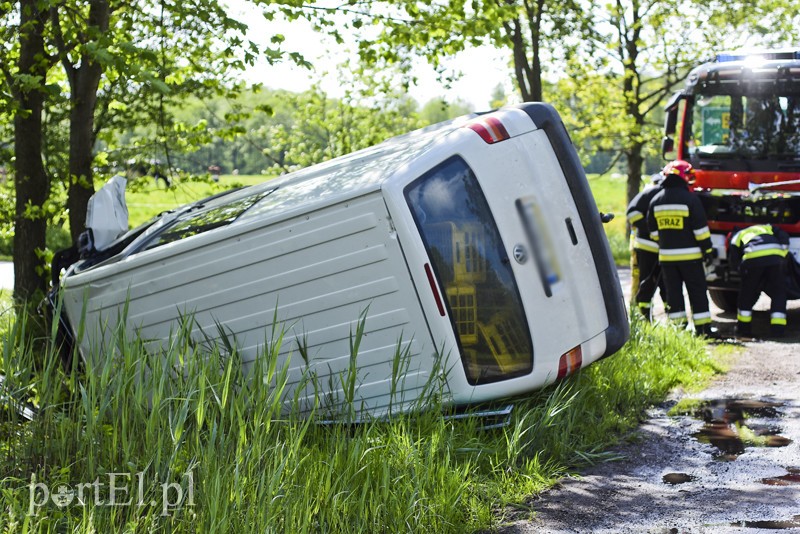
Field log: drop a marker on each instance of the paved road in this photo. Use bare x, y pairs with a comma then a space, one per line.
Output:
733, 467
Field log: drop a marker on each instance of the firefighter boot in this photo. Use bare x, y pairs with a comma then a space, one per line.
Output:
777, 324
704, 330
743, 329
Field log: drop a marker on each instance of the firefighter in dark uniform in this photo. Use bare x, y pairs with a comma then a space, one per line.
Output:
645, 249
759, 253
677, 221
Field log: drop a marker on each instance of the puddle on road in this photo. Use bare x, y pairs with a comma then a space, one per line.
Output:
791, 478
726, 429
769, 525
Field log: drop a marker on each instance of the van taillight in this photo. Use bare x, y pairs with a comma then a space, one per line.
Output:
434, 289
490, 129
570, 362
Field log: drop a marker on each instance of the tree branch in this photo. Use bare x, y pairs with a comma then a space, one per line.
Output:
614, 161
61, 47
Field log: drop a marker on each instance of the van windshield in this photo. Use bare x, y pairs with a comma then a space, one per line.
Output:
468, 257
200, 219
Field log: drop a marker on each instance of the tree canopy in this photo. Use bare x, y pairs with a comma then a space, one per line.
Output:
81, 70
90, 86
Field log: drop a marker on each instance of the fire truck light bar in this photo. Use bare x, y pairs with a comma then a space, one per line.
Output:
726, 57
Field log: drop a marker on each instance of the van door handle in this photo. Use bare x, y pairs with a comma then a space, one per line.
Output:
606, 218
571, 229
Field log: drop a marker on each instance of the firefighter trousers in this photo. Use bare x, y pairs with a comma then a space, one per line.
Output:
693, 276
650, 279
769, 278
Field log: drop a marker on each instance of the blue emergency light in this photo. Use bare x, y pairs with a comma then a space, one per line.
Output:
725, 57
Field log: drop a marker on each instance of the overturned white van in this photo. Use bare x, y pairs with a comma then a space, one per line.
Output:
475, 241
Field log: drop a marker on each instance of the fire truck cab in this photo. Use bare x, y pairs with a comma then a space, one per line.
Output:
737, 121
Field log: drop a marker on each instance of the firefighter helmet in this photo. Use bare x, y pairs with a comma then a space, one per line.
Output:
682, 168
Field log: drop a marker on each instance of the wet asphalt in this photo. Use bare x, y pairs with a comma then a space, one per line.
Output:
731, 465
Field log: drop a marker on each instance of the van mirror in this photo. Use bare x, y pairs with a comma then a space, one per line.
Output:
671, 117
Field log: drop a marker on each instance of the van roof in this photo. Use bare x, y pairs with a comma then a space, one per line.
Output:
345, 176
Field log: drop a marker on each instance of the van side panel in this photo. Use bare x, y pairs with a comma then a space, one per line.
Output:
319, 272
546, 118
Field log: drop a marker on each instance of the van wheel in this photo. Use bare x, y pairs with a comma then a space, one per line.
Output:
724, 298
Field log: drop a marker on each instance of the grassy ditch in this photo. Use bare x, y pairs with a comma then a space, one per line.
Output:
205, 450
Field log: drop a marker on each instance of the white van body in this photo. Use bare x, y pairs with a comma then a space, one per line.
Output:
476, 241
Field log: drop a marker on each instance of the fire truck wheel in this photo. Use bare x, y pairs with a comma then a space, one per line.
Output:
724, 298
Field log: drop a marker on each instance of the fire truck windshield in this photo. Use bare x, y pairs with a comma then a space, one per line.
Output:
744, 127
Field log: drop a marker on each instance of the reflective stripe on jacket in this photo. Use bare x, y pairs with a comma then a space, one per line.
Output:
637, 218
677, 221
760, 242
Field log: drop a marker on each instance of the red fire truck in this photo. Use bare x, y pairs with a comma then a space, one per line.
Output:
737, 121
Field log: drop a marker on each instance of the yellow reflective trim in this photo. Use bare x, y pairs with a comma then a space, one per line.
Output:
763, 253
778, 320
744, 318
700, 322
636, 216
669, 222
638, 245
704, 235
671, 213
744, 236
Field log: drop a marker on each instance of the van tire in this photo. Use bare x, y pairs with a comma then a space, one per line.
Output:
724, 298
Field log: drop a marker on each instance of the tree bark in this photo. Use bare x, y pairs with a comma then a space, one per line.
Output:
31, 181
635, 162
84, 83
528, 70
629, 51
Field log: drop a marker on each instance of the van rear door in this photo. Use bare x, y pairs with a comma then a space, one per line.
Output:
518, 252
546, 244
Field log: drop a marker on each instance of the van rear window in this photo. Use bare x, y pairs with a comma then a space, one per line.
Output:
472, 268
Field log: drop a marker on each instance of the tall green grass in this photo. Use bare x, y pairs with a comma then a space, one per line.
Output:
188, 418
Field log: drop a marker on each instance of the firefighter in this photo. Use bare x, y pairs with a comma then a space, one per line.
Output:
759, 253
645, 250
676, 220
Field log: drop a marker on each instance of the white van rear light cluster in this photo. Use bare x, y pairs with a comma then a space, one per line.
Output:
570, 362
434, 289
490, 129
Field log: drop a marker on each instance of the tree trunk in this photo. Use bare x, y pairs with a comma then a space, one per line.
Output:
633, 100
521, 67
537, 93
81, 145
31, 181
84, 82
635, 161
